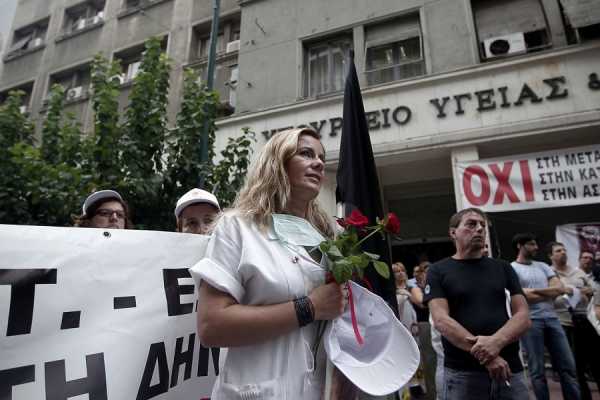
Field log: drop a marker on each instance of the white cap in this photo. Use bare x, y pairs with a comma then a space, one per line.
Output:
99, 195
195, 196
389, 355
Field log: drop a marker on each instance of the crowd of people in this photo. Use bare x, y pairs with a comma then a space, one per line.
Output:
491, 316
262, 288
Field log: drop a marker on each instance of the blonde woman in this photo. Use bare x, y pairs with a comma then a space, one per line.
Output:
406, 313
260, 287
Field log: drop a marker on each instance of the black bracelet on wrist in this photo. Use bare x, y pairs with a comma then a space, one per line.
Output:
304, 311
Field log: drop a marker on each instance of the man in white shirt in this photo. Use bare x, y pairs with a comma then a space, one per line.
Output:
572, 313
541, 286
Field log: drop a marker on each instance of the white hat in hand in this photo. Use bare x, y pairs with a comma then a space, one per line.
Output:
389, 356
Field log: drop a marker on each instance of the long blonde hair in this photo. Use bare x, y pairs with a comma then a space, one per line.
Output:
267, 190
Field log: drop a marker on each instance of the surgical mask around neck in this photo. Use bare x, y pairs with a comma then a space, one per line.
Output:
296, 231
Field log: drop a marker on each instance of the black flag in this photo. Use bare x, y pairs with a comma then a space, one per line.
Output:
357, 182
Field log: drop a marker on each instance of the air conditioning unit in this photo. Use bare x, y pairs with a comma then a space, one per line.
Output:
23, 109
499, 46
120, 78
80, 24
97, 18
132, 70
74, 93
233, 46
36, 42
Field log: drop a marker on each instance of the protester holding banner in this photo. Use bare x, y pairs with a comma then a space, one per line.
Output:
105, 209
541, 287
572, 313
261, 285
196, 212
467, 298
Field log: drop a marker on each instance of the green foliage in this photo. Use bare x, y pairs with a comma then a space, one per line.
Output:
15, 129
228, 175
140, 157
105, 163
183, 162
52, 125
146, 116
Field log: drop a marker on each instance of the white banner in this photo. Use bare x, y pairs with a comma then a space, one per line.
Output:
578, 238
558, 178
100, 315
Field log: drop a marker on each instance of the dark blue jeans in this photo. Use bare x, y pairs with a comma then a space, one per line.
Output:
476, 385
549, 332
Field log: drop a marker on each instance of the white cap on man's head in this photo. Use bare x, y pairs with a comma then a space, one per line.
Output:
195, 196
389, 356
99, 195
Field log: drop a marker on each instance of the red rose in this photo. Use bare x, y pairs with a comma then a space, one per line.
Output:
393, 224
357, 219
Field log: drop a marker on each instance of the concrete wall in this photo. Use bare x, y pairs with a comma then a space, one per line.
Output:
273, 34
119, 32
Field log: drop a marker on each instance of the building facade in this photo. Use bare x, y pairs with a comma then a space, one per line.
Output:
443, 81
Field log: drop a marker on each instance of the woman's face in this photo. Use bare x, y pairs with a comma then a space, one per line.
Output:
109, 214
306, 168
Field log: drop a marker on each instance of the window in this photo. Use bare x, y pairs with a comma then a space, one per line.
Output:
133, 3
510, 27
29, 38
581, 20
225, 78
228, 39
226, 66
25, 100
394, 51
131, 61
76, 82
84, 15
326, 65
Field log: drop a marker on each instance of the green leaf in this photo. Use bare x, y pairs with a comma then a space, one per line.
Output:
334, 252
371, 255
382, 269
356, 261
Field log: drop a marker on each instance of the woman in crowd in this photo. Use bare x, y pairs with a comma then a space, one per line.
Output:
260, 285
428, 356
406, 313
104, 209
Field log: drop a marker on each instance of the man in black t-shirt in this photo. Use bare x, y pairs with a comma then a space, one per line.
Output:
471, 299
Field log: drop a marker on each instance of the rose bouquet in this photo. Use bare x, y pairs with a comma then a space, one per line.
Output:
346, 259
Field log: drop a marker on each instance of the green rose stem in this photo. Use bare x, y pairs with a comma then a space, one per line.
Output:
377, 229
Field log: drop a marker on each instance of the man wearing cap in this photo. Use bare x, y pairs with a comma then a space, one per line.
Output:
104, 209
467, 297
196, 212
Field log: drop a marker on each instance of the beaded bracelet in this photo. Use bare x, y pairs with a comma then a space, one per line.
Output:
304, 310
